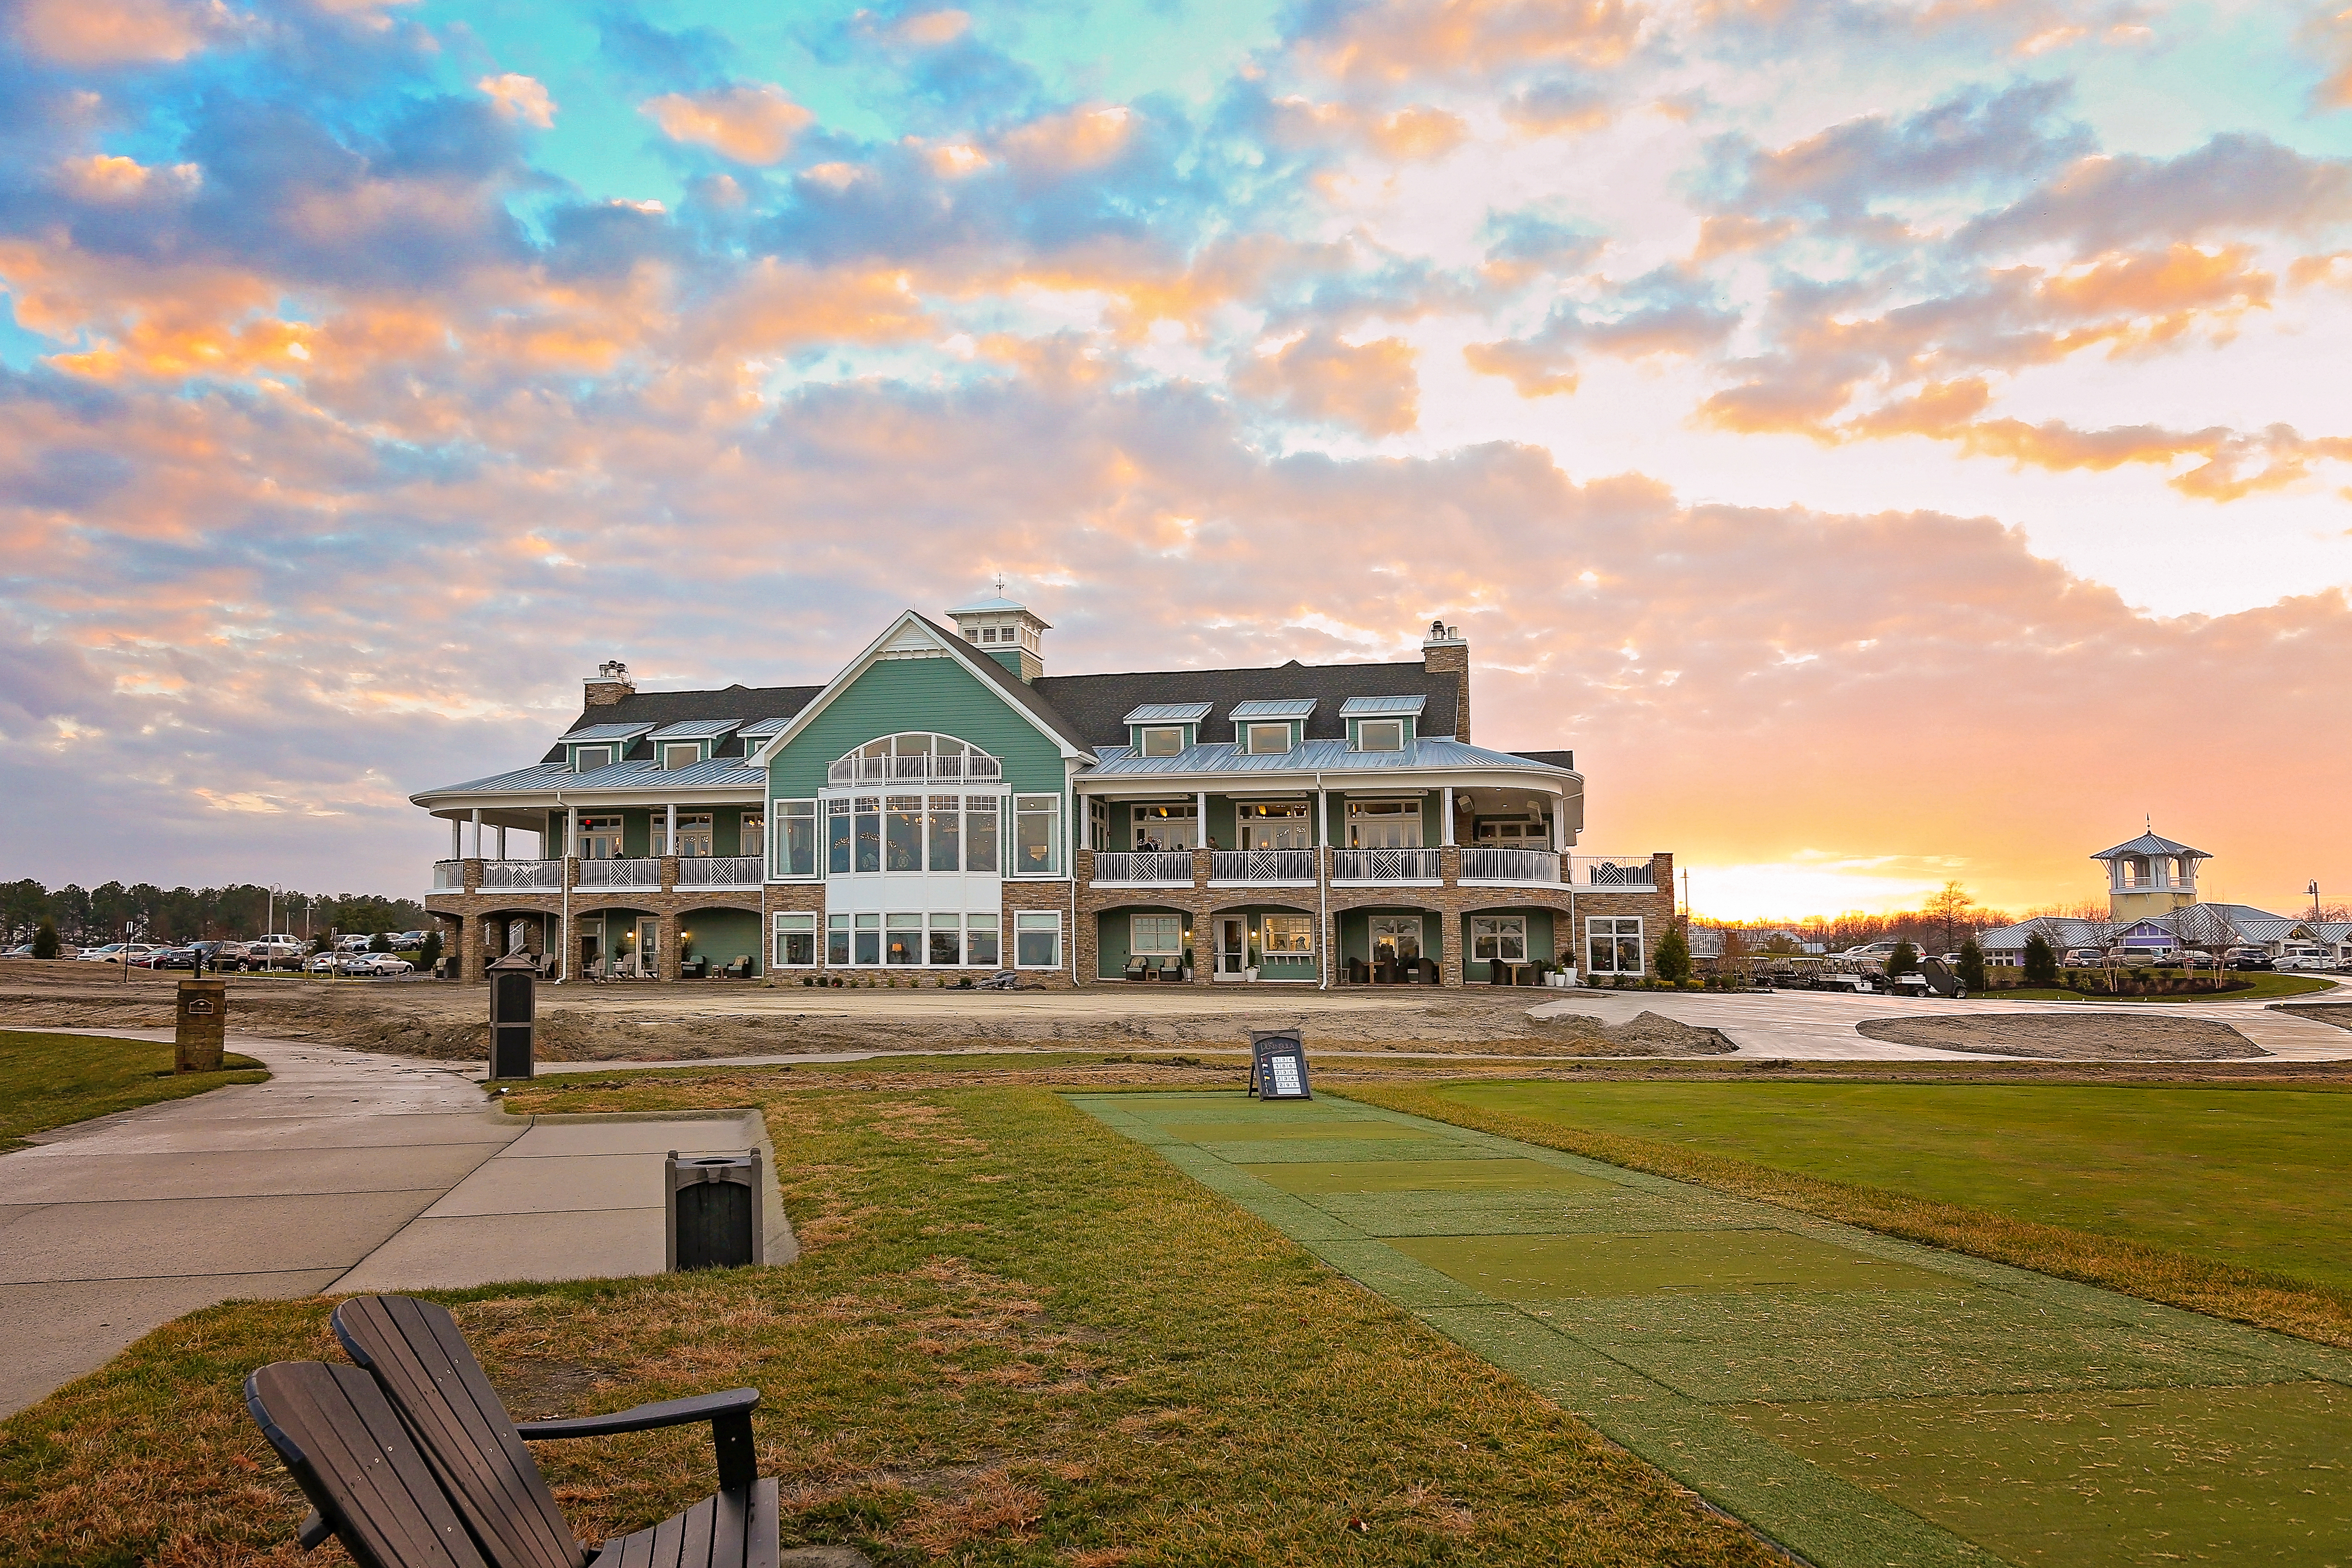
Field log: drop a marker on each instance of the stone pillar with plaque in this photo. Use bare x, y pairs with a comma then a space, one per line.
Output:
200, 1026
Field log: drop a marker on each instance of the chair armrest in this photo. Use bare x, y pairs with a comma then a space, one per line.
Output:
644, 1417
729, 1412
314, 1532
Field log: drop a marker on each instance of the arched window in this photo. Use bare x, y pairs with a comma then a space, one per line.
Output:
914, 755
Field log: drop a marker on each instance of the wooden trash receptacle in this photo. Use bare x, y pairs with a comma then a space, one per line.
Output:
715, 1219
200, 1026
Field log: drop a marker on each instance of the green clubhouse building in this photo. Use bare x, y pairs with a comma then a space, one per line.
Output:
943, 809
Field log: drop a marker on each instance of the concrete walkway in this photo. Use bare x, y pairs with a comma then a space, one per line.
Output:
1809, 1025
345, 1170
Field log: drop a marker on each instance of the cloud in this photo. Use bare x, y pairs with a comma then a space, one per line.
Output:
2237, 181
1402, 40
1368, 388
1557, 108
520, 98
119, 32
748, 123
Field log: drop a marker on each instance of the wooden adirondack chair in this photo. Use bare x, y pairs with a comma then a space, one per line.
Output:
411, 1353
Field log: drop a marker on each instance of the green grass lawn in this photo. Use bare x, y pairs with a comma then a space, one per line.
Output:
52, 1081
2262, 987
1013, 1337
2254, 1178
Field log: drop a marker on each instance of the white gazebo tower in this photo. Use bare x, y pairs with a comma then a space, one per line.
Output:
2150, 876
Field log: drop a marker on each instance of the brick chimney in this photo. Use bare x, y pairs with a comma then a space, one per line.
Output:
611, 682
1443, 652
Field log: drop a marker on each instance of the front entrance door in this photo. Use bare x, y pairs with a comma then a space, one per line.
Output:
1233, 946
591, 936
649, 945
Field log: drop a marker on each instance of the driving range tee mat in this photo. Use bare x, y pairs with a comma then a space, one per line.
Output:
1858, 1400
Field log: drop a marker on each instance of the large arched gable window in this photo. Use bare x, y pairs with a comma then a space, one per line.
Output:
913, 755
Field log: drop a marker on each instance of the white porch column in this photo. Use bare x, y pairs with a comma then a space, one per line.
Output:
571, 832
477, 833
1201, 822
1086, 821
669, 832
502, 843
1558, 809
1322, 818
1445, 820
456, 838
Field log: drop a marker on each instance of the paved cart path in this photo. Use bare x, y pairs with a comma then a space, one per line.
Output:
346, 1171
1861, 1401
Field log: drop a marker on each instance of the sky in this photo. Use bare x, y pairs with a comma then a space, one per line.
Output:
1890, 441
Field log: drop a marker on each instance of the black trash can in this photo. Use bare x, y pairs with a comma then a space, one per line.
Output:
714, 1219
513, 1007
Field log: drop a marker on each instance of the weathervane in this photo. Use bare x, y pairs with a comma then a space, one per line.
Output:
1000, 584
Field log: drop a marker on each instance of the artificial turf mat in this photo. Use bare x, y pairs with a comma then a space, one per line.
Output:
1858, 1399
1546, 1268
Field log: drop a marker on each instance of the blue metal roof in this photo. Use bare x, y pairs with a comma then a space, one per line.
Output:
1368, 707
1167, 713
1323, 756
694, 728
643, 774
606, 732
1275, 708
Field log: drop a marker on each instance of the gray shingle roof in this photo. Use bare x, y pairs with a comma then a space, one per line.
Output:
1327, 756
655, 709
694, 730
1096, 705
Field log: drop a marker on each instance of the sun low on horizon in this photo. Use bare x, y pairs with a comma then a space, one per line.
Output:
1889, 441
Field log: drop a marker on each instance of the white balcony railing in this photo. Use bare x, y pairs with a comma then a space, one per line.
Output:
1621, 873
448, 875
718, 871
640, 875
1384, 866
918, 768
1293, 866
1485, 863
523, 876
1144, 867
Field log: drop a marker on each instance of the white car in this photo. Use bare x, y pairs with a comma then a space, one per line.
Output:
115, 952
2304, 961
377, 964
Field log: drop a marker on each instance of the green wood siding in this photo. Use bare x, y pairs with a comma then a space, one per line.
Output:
1114, 937
935, 694
1539, 939
721, 936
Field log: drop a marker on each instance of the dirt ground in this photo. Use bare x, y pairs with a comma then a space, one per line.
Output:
2337, 1013
2074, 1037
716, 1020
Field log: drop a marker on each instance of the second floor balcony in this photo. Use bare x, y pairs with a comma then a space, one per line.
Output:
1275, 868
1144, 868
1423, 867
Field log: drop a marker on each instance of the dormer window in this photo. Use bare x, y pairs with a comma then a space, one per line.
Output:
1266, 740
1162, 740
588, 759
1379, 735
681, 756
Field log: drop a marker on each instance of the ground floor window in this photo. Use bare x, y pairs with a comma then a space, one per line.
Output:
795, 942
1155, 936
1499, 938
1293, 934
1396, 938
1615, 944
981, 941
1037, 940
936, 942
947, 941
902, 939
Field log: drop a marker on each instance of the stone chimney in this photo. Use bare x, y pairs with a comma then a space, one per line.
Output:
611, 682
1443, 652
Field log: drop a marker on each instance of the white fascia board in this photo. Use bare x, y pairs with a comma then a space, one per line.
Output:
954, 648
1259, 782
546, 799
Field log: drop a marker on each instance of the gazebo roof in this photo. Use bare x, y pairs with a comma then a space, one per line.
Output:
2149, 844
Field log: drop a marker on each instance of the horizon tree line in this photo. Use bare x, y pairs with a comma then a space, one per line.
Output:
88, 917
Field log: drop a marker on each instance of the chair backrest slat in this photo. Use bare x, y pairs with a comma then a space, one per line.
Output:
416, 1349
358, 1465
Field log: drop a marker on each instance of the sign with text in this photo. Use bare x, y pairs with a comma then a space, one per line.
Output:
1278, 1065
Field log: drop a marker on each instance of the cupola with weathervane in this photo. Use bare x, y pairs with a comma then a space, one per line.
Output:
2150, 875
1005, 631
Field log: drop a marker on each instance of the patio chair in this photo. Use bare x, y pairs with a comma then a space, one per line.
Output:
1172, 971
1358, 972
459, 1464
739, 970
1136, 970
1497, 972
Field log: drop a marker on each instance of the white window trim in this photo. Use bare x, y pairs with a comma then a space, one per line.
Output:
814, 931
671, 748
1639, 933
1144, 732
580, 755
1021, 915
1136, 949
1365, 725
1253, 728
1008, 839
1501, 927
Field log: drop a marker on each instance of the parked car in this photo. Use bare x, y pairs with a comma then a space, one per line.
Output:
2083, 958
107, 954
169, 958
264, 951
2249, 959
21, 950
377, 965
2302, 960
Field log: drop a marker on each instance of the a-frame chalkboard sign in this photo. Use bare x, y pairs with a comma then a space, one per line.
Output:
1278, 1065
